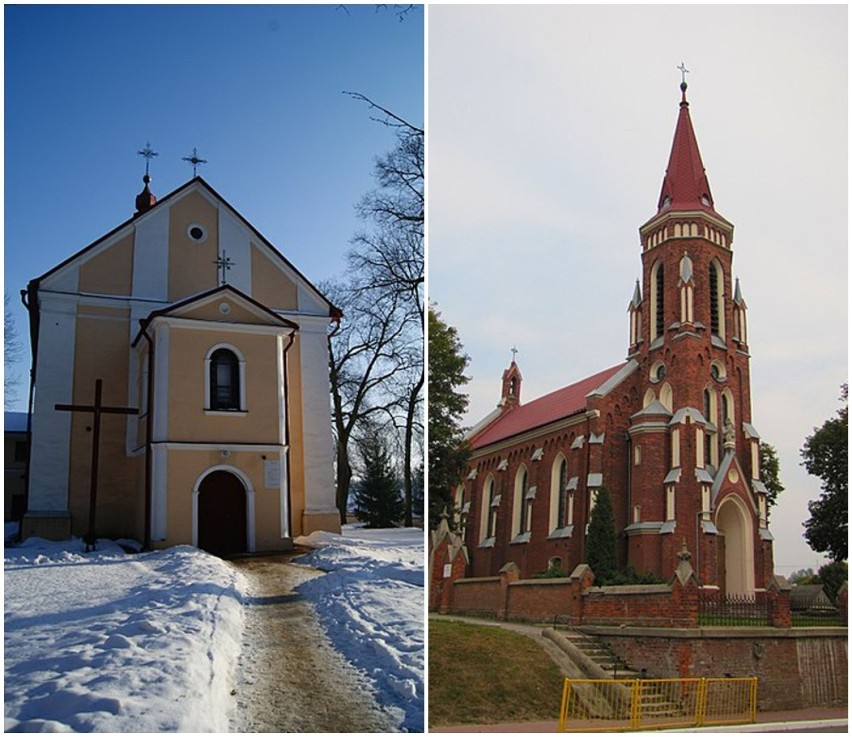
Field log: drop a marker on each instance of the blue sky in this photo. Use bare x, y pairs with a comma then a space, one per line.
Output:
256, 89
550, 128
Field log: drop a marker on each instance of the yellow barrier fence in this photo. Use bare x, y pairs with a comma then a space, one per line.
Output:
665, 703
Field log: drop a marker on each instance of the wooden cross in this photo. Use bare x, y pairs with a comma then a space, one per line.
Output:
97, 409
223, 263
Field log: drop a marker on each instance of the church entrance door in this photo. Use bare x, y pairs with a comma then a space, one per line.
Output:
736, 554
222, 514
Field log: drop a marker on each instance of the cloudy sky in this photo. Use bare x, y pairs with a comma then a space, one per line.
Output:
549, 129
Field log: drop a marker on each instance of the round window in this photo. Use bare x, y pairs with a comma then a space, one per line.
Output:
196, 232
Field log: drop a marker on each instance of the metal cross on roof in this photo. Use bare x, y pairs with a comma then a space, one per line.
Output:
148, 153
514, 353
194, 160
683, 72
224, 264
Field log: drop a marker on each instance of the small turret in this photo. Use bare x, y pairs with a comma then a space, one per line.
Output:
511, 393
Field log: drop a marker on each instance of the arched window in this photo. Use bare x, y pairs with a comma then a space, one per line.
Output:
488, 519
522, 505
717, 314
666, 397
224, 380
559, 493
657, 300
710, 446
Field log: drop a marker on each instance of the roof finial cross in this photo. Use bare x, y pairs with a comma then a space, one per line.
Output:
683, 72
223, 264
194, 160
514, 353
147, 153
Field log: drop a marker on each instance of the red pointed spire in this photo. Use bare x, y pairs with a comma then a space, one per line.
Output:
685, 186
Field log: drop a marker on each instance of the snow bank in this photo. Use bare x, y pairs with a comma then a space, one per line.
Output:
371, 604
112, 642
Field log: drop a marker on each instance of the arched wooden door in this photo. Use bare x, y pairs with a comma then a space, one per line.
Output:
222, 514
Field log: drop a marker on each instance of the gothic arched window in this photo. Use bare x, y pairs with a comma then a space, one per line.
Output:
717, 316
657, 300
224, 380
522, 504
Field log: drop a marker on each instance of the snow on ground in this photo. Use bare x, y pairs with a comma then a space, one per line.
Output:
371, 604
112, 642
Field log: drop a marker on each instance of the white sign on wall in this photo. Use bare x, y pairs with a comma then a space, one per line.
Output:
272, 474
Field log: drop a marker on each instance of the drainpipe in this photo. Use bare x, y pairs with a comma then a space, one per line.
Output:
287, 430
149, 426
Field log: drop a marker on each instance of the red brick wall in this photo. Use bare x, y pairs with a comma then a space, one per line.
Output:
476, 596
543, 600
795, 669
641, 606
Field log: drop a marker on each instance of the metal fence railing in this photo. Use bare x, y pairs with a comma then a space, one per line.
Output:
733, 610
825, 615
669, 703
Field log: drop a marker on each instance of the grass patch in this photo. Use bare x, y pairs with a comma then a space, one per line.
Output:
479, 674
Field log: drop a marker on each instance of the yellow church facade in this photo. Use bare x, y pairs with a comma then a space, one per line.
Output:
191, 318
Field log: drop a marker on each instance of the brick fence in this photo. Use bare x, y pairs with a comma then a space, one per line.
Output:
576, 600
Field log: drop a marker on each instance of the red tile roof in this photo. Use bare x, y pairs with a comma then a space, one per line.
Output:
551, 407
685, 184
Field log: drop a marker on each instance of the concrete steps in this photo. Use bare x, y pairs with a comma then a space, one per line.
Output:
592, 650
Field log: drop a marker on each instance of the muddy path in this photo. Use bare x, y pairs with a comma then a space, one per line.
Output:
290, 678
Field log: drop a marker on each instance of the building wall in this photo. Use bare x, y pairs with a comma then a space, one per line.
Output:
15, 447
89, 310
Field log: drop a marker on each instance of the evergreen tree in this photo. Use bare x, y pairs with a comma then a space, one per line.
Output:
448, 452
832, 576
826, 455
600, 542
770, 471
378, 502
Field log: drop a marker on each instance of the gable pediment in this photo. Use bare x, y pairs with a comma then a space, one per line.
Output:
170, 253
224, 305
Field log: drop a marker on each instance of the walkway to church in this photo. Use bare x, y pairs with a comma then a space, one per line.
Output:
290, 678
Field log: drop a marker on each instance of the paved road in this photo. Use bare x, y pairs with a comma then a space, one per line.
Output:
290, 678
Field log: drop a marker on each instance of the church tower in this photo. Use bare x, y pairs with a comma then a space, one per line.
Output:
694, 466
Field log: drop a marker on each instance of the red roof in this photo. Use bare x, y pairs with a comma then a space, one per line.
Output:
551, 407
685, 184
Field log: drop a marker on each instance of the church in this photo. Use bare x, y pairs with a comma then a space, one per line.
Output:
180, 385
667, 431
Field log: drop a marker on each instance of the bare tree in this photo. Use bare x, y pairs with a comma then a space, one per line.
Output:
389, 260
12, 353
365, 361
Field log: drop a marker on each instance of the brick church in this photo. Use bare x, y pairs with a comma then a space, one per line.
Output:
668, 431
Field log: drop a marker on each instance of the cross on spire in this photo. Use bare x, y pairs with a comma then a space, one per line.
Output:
194, 160
683, 72
147, 153
514, 353
223, 264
